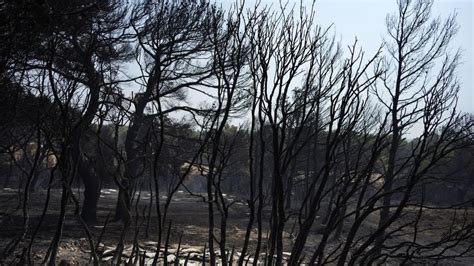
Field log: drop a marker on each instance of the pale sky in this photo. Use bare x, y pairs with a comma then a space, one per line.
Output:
365, 19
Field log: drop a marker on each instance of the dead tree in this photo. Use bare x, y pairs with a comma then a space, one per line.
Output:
172, 45
288, 41
76, 57
415, 44
230, 53
340, 114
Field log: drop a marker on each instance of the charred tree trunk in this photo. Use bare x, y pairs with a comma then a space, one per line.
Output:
289, 185
91, 191
122, 209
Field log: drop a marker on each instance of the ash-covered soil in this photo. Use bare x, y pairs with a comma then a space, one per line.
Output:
189, 222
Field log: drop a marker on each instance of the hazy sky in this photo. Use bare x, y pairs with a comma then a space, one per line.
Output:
366, 20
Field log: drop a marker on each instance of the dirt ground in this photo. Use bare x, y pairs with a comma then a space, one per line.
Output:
189, 222
187, 213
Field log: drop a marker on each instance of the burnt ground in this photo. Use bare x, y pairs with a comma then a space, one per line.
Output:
189, 222
187, 213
